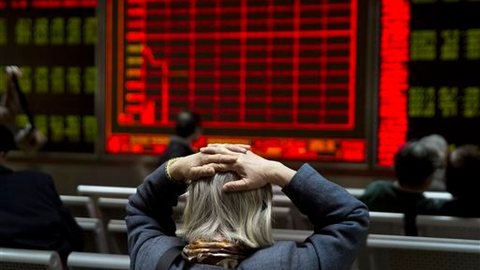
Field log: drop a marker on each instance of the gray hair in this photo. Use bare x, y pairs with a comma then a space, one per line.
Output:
212, 214
438, 143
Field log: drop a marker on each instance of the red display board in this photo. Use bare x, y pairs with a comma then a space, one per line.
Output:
280, 75
429, 83
393, 81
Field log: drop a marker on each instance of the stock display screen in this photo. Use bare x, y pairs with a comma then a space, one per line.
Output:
279, 75
53, 42
429, 62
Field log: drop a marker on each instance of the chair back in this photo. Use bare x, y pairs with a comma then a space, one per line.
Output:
117, 232
85, 260
393, 252
93, 234
78, 206
449, 227
27, 259
105, 191
386, 223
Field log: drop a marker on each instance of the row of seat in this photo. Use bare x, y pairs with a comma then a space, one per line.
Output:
111, 236
382, 252
107, 202
103, 209
27, 259
105, 231
388, 252
125, 192
435, 226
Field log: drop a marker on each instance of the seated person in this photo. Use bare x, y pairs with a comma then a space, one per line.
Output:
439, 144
31, 212
227, 220
187, 130
414, 165
463, 182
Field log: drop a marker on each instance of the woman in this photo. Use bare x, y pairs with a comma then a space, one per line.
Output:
340, 221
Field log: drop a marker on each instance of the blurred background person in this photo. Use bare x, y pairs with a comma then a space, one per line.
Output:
188, 129
414, 165
32, 215
463, 182
13, 102
438, 143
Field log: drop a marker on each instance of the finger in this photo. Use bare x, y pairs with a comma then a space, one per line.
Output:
208, 150
221, 167
218, 158
245, 146
212, 149
238, 148
215, 150
215, 144
16, 70
11, 70
8, 70
227, 145
238, 185
196, 173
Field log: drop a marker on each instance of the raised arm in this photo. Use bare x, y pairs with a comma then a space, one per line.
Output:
9, 102
151, 229
13, 102
340, 220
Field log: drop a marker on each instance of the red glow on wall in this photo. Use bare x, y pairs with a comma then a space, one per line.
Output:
308, 149
394, 56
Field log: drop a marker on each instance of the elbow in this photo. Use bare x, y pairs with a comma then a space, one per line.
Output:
362, 215
361, 218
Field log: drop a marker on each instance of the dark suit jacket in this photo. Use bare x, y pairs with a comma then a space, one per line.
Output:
384, 196
340, 226
461, 208
177, 147
32, 215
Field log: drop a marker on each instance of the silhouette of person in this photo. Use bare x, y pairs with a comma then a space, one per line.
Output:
187, 130
463, 182
32, 215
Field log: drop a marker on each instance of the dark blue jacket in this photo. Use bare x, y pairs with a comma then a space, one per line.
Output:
340, 226
32, 215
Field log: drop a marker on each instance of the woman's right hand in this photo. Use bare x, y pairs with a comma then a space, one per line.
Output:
254, 170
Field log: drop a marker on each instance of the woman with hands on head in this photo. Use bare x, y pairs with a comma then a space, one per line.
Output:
227, 219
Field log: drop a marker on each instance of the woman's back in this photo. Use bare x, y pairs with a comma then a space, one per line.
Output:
340, 221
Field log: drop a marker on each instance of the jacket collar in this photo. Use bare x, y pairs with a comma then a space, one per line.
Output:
179, 140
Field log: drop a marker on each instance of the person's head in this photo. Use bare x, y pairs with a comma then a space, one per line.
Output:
463, 172
414, 166
242, 217
7, 141
438, 143
188, 125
